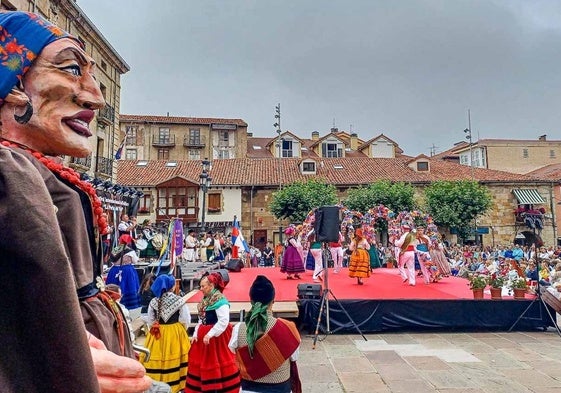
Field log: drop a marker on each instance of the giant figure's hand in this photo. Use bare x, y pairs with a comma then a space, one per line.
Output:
117, 374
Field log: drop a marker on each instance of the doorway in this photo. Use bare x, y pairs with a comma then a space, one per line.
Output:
260, 238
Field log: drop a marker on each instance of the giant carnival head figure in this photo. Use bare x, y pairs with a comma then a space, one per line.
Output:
48, 90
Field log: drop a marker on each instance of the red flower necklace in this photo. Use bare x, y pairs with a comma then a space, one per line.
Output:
72, 177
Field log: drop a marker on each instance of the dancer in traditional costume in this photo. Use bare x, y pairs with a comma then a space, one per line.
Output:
316, 253
123, 274
168, 342
359, 264
422, 254
336, 250
212, 367
266, 347
406, 244
374, 255
436, 251
292, 263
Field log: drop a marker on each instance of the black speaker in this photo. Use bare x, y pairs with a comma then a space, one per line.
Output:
225, 275
234, 265
327, 224
309, 291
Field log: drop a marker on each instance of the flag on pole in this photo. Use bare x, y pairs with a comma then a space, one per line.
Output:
119, 151
238, 242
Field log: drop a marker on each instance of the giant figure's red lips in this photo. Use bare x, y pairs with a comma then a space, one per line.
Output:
79, 123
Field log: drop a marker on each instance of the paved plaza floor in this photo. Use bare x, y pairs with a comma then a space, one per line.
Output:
516, 362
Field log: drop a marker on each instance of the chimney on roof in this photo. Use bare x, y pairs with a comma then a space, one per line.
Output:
315, 135
250, 134
334, 130
168, 114
542, 138
354, 141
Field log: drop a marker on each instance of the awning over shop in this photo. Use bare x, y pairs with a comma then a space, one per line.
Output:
528, 196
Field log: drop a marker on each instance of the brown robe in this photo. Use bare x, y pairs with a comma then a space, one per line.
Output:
46, 254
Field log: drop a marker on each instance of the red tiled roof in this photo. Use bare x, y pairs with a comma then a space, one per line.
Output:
263, 147
272, 171
452, 152
550, 172
179, 120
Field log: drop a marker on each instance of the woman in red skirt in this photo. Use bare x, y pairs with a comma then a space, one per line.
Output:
212, 367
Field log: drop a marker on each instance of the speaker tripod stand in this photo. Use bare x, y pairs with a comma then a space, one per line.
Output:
324, 302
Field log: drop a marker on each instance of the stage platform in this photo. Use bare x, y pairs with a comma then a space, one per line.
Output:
385, 303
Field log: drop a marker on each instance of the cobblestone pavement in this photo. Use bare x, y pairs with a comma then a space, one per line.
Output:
433, 362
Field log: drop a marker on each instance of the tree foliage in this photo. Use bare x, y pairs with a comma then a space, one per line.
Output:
395, 196
295, 201
457, 203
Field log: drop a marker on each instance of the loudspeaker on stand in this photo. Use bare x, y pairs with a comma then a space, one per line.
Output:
327, 224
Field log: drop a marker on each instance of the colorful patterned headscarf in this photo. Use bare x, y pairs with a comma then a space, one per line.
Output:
22, 37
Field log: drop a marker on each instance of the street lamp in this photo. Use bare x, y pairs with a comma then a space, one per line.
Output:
467, 131
278, 144
205, 181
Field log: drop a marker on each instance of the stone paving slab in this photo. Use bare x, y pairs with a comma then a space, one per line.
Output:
488, 362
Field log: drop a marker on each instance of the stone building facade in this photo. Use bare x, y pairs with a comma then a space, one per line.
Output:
175, 138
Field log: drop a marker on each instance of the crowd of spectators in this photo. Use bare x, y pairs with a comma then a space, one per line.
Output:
542, 264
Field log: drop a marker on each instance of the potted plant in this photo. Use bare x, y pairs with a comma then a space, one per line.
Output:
496, 283
519, 287
477, 282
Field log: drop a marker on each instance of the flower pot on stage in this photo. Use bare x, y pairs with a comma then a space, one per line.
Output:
496, 293
477, 293
519, 293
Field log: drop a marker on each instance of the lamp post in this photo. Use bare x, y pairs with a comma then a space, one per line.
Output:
278, 144
469, 138
205, 181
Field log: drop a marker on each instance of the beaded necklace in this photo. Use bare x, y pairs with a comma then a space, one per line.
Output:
71, 176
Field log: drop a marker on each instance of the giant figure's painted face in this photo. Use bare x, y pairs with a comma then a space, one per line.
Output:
64, 94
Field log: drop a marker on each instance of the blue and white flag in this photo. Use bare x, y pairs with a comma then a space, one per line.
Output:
119, 151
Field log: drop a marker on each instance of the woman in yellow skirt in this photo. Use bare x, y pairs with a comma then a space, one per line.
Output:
168, 342
359, 264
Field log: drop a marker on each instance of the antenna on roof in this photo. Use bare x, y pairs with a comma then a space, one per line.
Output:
433, 150
350, 128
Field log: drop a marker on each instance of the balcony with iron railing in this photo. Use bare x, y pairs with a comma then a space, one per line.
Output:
163, 141
106, 115
194, 142
81, 162
104, 166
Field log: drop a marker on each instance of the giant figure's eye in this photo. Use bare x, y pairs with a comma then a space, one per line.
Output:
73, 69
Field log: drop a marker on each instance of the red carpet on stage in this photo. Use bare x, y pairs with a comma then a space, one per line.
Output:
383, 284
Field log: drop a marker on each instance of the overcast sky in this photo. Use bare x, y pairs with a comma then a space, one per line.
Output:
410, 69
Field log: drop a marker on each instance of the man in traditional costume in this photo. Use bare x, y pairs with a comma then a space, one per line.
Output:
406, 243
189, 253
52, 257
336, 250
266, 347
